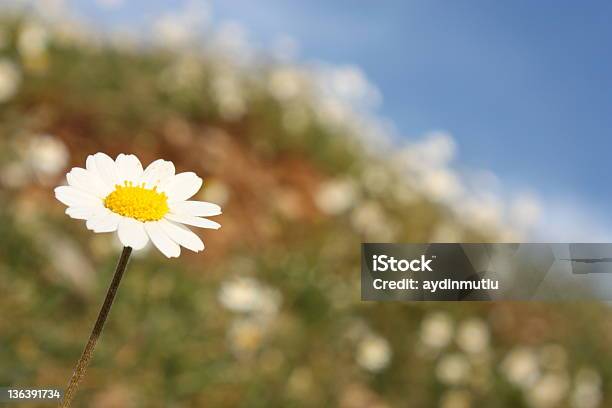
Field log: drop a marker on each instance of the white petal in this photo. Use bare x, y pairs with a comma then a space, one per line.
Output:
87, 181
162, 241
132, 233
90, 164
73, 197
129, 168
195, 221
85, 213
195, 208
182, 235
107, 222
181, 187
157, 172
105, 167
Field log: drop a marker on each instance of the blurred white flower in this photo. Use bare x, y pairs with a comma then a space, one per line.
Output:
438, 148
374, 132
484, 211
336, 196
228, 95
10, 79
520, 367
428, 161
46, 155
333, 112
474, 196
525, 210
441, 184
587, 391
473, 336
434, 150
453, 369
456, 399
548, 391
370, 219
182, 27
171, 31
286, 83
344, 99
373, 353
436, 330
248, 295
349, 85
32, 41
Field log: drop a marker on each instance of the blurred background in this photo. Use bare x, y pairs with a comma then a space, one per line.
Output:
316, 126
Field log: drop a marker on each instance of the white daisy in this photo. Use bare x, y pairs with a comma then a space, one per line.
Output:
140, 204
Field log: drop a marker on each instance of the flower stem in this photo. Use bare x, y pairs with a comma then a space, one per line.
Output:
81, 367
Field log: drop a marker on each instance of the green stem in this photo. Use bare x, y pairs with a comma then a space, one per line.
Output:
81, 367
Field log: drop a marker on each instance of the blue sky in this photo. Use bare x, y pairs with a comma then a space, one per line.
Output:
524, 87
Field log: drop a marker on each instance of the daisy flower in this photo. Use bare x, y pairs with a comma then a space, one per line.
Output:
140, 204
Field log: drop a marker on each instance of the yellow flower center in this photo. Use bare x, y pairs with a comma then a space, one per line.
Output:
137, 202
